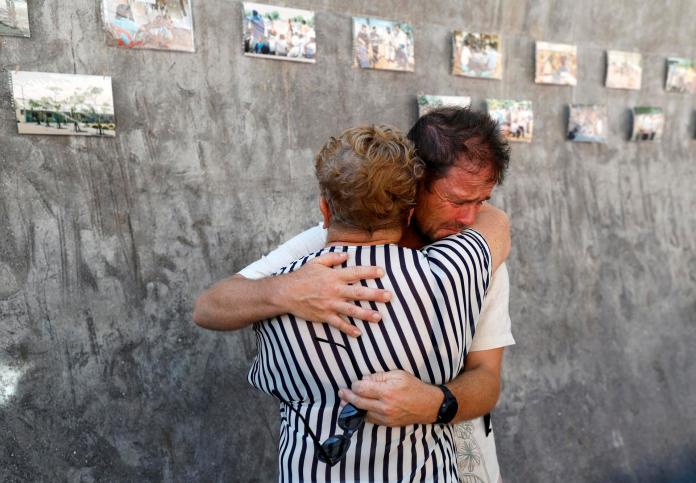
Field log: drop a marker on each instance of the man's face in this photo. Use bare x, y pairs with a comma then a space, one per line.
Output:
452, 202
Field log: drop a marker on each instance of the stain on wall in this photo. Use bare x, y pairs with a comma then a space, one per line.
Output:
104, 243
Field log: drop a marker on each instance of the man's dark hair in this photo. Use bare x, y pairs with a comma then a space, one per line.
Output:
449, 134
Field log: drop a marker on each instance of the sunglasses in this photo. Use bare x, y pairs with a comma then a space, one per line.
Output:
336, 446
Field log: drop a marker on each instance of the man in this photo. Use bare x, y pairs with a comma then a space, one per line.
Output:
465, 157
402, 47
375, 40
256, 28
361, 48
125, 30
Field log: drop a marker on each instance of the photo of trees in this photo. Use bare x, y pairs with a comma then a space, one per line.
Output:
63, 104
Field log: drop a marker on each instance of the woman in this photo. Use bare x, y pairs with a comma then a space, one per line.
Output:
368, 179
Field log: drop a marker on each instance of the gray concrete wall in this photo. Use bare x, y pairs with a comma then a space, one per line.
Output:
104, 243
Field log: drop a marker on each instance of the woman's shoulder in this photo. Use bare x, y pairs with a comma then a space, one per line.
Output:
468, 235
467, 247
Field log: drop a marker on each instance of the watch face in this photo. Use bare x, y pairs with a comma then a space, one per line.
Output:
448, 410
449, 407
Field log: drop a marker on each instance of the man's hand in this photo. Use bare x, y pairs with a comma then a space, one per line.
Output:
315, 292
319, 293
395, 398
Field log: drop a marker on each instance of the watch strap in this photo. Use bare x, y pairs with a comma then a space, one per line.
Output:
448, 408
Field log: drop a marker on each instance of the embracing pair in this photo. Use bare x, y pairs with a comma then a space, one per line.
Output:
381, 333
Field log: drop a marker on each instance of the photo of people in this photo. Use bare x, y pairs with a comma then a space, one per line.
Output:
149, 24
515, 118
477, 55
648, 124
681, 75
381, 44
14, 18
624, 70
556, 64
587, 123
63, 104
428, 103
279, 33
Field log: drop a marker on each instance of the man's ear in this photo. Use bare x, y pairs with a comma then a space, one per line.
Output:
325, 211
410, 215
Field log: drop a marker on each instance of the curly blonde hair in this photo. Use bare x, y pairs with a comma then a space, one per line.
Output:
369, 177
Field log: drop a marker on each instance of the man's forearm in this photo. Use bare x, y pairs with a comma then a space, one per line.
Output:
316, 292
237, 302
477, 392
397, 398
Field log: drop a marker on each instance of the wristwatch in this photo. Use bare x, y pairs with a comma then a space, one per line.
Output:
449, 407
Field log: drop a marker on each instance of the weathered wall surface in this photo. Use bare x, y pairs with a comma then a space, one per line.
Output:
104, 244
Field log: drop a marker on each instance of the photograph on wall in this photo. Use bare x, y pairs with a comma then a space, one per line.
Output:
556, 64
428, 103
149, 24
382, 44
14, 18
648, 124
515, 118
63, 104
279, 33
681, 75
477, 55
587, 123
624, 70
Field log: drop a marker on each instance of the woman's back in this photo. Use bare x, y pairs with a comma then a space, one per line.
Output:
425, 330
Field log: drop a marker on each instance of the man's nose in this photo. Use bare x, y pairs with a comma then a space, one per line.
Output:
467, 215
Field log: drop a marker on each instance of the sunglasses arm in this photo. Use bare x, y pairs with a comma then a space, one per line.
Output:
309, 431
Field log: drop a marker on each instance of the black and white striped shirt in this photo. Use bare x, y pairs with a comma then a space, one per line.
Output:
426, 330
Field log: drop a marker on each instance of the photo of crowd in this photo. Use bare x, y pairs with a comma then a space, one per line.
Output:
381, 44
556, 64
587, 123
623, 70
428, 103
681, 75
14, 18
149, 24
515, 118
63, 104
477, 55
648, 124
279, 33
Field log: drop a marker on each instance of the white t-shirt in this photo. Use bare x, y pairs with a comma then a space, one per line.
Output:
476, 454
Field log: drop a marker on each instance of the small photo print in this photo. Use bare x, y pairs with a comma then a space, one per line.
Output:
382, 44
149, 24
587, 123
556, 64
14, 18
63, 104
477, 55
681, 75
279, 33
648, 124
515, 118
624, 70
428, 103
